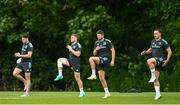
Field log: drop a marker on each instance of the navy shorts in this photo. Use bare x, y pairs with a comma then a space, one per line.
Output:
103, 62
159, 61
75, 66
26, 66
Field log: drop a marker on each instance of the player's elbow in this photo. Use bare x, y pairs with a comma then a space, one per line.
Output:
169, 51
29, 55
78, 54
113, 51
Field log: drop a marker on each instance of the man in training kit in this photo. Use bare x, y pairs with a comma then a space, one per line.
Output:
161, 53
24, 63
73, 62
102, 49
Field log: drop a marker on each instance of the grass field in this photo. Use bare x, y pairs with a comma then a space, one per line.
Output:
94, 98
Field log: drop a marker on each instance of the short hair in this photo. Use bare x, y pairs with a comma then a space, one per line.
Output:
25, 35
100, 32
158, 29
74, 35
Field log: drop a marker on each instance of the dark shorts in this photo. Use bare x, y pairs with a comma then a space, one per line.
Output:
159, 61
75, 66
103, 62
26, 66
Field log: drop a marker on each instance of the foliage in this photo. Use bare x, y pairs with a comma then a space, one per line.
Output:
128, 24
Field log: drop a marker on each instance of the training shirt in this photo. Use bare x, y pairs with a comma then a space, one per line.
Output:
105, 47
72, 57
28, 47
159, 48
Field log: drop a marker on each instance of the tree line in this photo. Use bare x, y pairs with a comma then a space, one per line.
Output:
128, 24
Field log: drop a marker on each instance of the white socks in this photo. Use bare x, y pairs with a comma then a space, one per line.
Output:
81, 90
93, 71
157, 90
153, 73
106, 90
60, 71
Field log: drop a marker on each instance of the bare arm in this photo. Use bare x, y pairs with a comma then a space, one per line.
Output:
76, 53
146, 51
169, 53
113, 56
28, 55
95, 51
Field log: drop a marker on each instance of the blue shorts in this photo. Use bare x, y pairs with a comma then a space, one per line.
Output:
103, 62
74, 66
159, 61
26, 66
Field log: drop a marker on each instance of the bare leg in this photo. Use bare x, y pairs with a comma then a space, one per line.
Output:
157, 85
104, 83
93, 61
28, 82
78, 80
16, 73
60, 63
152, 63
80, 83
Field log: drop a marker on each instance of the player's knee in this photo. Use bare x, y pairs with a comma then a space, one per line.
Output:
27, 77
156, 82
101, 78
28, 80
59, 62
149, 62
91, 59
14, 74
77, 77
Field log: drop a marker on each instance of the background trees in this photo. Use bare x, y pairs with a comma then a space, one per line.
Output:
128, 24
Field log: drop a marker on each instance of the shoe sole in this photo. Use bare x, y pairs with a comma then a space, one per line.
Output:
91, 78
158, 98
58, 79
81, 96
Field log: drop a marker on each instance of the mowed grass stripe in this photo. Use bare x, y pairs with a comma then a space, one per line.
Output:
93, 104
91, 98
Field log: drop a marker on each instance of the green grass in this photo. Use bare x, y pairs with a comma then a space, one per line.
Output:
90, 98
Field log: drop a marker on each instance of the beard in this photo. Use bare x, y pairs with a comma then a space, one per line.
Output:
72, 42
157, 38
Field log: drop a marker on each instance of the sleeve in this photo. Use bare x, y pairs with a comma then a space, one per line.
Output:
151, 44
96, 44
165, 44
79, 47
109, 44
30, 47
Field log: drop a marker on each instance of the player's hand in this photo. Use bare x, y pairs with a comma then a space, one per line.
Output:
69, 47
165, 63
97, 48
17, 54
112, 63
143, 52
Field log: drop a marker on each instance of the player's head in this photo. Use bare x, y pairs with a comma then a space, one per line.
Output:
25, 38
74, 38
100, 34
157, 33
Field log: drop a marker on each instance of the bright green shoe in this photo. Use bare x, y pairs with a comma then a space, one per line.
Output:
81, 94
58, 77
